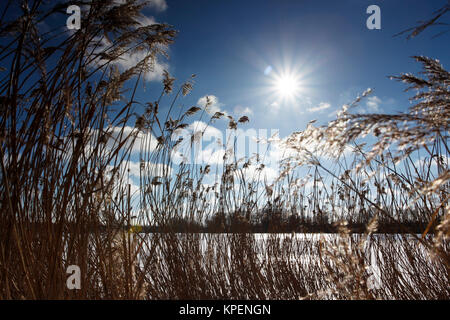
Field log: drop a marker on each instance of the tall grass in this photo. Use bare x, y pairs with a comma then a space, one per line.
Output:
66, 198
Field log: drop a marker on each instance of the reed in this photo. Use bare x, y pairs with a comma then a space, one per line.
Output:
68, 127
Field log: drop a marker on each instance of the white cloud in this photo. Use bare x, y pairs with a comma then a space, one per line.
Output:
242, 111
312, 142
258, 173
115, 135
130, 59
373, 104
333, 113
274, 106
149, 169
211, 103
297, 106
159, 5
425, 164
195, 137
208, 130
150, 141
322, 106
146, 21
212, 155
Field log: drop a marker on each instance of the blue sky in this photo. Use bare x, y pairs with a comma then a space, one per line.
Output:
229, 44
325, 45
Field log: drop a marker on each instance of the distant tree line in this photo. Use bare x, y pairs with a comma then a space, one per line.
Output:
277, 222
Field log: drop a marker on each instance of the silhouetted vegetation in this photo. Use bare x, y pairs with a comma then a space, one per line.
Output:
70, 121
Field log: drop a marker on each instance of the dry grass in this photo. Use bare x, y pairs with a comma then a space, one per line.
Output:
65, 198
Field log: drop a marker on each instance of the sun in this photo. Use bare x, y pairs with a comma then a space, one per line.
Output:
286, 85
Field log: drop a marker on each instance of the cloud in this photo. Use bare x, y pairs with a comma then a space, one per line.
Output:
148, 169
211, 155
115, 135
274, 107
210, 103
373, 104
132, 170
305, 146
159, 5
146, 139
208, 131
322, 106
146, 21
424, 164
195, 137
158, 66
333, 113
242, 111
130, 59
260, 173
299, 105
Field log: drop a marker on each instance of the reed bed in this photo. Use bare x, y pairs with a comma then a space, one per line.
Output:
70, 121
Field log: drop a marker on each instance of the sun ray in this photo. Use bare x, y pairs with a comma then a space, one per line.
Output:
286, 85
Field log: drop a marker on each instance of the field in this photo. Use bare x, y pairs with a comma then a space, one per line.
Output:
344, 218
